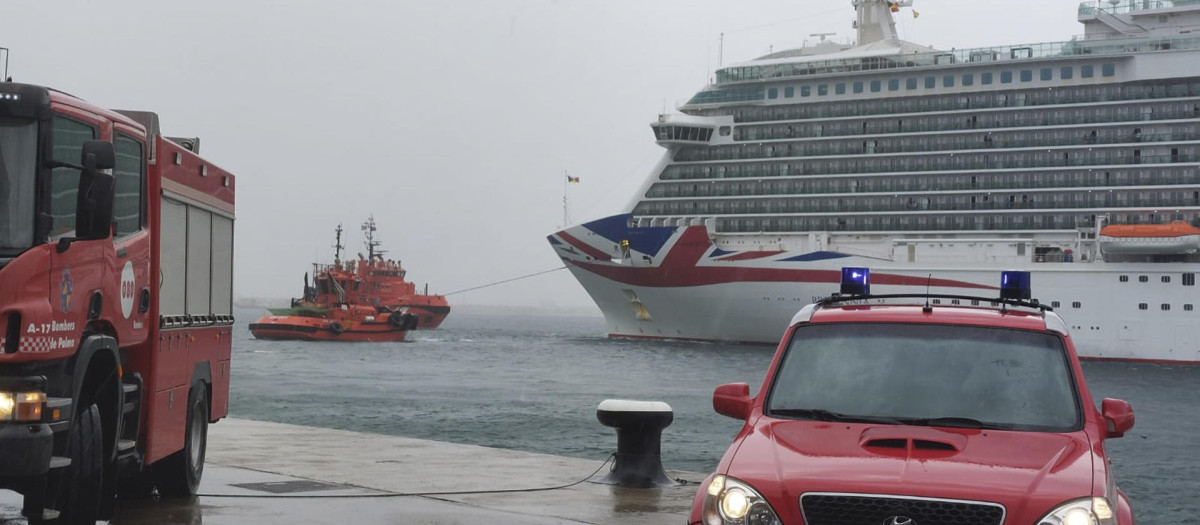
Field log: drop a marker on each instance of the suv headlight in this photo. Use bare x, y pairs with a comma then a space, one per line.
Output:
21, 406
1086, 511
728, 501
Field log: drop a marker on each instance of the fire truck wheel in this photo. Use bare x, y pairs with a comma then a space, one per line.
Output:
336, 328
178, 475
78, 489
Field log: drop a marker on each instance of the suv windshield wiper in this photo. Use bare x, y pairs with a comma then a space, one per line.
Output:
954, 422
825, 415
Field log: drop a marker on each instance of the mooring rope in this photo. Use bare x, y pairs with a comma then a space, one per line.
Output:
507, 280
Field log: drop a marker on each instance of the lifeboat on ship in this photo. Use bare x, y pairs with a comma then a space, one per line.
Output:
347, 323
1150, 239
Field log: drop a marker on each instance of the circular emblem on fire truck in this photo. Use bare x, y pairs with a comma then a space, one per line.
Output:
127, 289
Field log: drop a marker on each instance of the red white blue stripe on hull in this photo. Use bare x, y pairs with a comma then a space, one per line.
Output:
674, 283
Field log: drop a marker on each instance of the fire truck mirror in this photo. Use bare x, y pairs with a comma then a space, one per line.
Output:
94, 212
103, 153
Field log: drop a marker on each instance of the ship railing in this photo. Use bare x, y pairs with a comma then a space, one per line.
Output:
1132, 6
1076, 47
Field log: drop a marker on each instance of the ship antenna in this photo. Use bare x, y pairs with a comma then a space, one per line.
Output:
337, 247
369, 228
927, 309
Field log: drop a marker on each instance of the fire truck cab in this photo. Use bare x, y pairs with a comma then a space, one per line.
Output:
116, 272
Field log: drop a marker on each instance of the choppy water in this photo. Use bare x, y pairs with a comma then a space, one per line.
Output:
533, 383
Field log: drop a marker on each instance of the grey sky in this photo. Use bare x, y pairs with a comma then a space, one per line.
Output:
451, 121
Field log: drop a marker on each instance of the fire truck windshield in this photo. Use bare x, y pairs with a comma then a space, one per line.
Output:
18, 166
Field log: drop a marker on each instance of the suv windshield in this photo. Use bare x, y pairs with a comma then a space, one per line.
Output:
18, 162
927, 375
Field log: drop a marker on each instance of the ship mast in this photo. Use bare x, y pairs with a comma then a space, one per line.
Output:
875, 21
337, 247
372, 244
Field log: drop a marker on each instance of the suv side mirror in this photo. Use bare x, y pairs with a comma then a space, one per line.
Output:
94, 203
1118, 416
733, 400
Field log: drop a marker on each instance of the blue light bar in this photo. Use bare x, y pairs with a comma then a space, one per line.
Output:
1015, 285
856, 281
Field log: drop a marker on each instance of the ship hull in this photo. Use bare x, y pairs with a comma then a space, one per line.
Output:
301, 328
682, 286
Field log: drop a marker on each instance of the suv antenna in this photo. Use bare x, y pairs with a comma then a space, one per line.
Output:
927, 309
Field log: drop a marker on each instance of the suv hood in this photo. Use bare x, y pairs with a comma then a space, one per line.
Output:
1027, 472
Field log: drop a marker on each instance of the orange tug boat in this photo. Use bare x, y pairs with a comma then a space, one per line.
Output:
363, 300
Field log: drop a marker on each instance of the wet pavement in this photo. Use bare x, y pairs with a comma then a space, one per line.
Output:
269, 473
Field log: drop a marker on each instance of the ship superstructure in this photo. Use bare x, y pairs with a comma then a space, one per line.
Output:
935, 168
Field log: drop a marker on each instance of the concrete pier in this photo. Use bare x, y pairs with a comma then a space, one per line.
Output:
300, 467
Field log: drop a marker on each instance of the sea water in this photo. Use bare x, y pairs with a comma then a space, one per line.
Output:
532, 382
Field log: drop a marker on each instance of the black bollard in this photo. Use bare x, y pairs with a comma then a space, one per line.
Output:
639, 427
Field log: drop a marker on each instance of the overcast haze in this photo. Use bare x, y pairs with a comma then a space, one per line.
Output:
453, 122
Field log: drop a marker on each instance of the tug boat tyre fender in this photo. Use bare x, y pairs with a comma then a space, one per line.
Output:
396, 320
410, 321
336, 328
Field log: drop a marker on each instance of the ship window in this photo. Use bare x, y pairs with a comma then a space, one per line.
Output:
1124, 278
910, 83
1066, 72
1165, 307
985, 78
1086, 71
1143, 306
1108, 70
1047, 73
948, 81
789, 92
773, 93
1076, 304
1026, 75
1006, 77
805, 91
894, 84
968, 79
1166, 278
974, 302
858, 87
725, 131
954, 301
823, 89
1143, 279
1189, 279
930, 82
937, 301
1055, 304
1187, 307
840, 88
876, 86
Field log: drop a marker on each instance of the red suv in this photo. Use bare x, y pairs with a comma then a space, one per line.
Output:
947, 410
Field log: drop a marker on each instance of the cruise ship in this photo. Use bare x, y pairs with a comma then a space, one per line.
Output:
1078, 161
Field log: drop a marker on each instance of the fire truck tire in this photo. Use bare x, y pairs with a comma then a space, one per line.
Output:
178, 475
78, 496
336, 328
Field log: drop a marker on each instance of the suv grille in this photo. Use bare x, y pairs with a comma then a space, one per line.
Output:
858, 509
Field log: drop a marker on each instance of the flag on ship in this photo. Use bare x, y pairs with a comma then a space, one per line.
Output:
572, 179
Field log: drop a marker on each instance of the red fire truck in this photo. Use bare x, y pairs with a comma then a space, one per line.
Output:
116, 272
